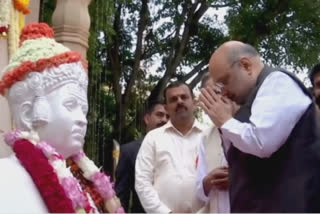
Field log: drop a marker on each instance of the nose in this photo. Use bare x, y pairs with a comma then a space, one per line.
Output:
81, 123
81, 120
180, 100
164, 119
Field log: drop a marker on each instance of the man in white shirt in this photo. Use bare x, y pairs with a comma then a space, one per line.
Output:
212, 171
166, 162
272, 143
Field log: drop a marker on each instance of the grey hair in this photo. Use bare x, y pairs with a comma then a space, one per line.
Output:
241, 50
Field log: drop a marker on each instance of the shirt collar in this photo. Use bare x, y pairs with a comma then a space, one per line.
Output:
196, 126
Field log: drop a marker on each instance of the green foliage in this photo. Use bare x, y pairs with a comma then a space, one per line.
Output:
100, 97
286, 32
46, 9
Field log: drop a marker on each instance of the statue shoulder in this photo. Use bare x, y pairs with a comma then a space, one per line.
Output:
17, 186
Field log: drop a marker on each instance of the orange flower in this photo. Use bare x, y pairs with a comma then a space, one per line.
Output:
26, 67
41, 64
36, 30
20, 6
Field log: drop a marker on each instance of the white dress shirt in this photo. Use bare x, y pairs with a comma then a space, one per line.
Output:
165, 177
277, 108
210, 157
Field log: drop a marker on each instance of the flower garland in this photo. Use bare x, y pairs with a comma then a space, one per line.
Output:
22, 6
38, 167
4, 17
13, 31
53, 166
26, 67
14, 14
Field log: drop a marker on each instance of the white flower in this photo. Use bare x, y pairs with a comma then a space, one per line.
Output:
88, 167
61, 168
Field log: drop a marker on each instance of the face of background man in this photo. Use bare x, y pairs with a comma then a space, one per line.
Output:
158, 117
316, 86
180, 104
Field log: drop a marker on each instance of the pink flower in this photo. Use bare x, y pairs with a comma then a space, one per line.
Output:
57, 156
72, 189
46, 148
103, 184
11, 137
43, 176
120, 210
78, 156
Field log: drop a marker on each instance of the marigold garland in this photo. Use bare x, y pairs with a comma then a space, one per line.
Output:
14, 30
19, 73
35, 31
86, 185
22, 6
4, 17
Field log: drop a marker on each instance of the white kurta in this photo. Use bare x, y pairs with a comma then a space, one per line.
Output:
210, 157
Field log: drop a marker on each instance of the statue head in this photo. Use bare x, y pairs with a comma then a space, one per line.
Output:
46, 87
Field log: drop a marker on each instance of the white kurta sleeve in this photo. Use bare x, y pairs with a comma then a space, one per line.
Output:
202, 171
277, 108
144, 175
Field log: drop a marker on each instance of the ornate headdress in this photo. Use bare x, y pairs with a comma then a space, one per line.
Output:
39, 52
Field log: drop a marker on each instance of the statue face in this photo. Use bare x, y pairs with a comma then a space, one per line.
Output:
66, 126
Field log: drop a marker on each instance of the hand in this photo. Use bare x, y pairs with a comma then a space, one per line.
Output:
218, 178
235, 106
219, 109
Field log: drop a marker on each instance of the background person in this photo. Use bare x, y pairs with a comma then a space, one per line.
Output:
155, 116
212, 171
166, 162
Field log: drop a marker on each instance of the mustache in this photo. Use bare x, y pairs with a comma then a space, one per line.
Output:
180, 106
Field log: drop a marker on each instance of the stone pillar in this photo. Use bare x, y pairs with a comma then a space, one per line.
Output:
71, 23
5, 118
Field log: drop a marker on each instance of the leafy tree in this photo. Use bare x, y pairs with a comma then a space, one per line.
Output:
46, 10
125, 54
286, 32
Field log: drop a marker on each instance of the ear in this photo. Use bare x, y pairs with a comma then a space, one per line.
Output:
246, 64
165, 107
25, 110
146, 119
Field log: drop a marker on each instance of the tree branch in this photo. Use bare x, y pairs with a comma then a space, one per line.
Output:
113, 52
198, 78
144, 13
196, 69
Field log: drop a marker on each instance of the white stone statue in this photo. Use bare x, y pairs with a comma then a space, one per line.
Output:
46, 87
